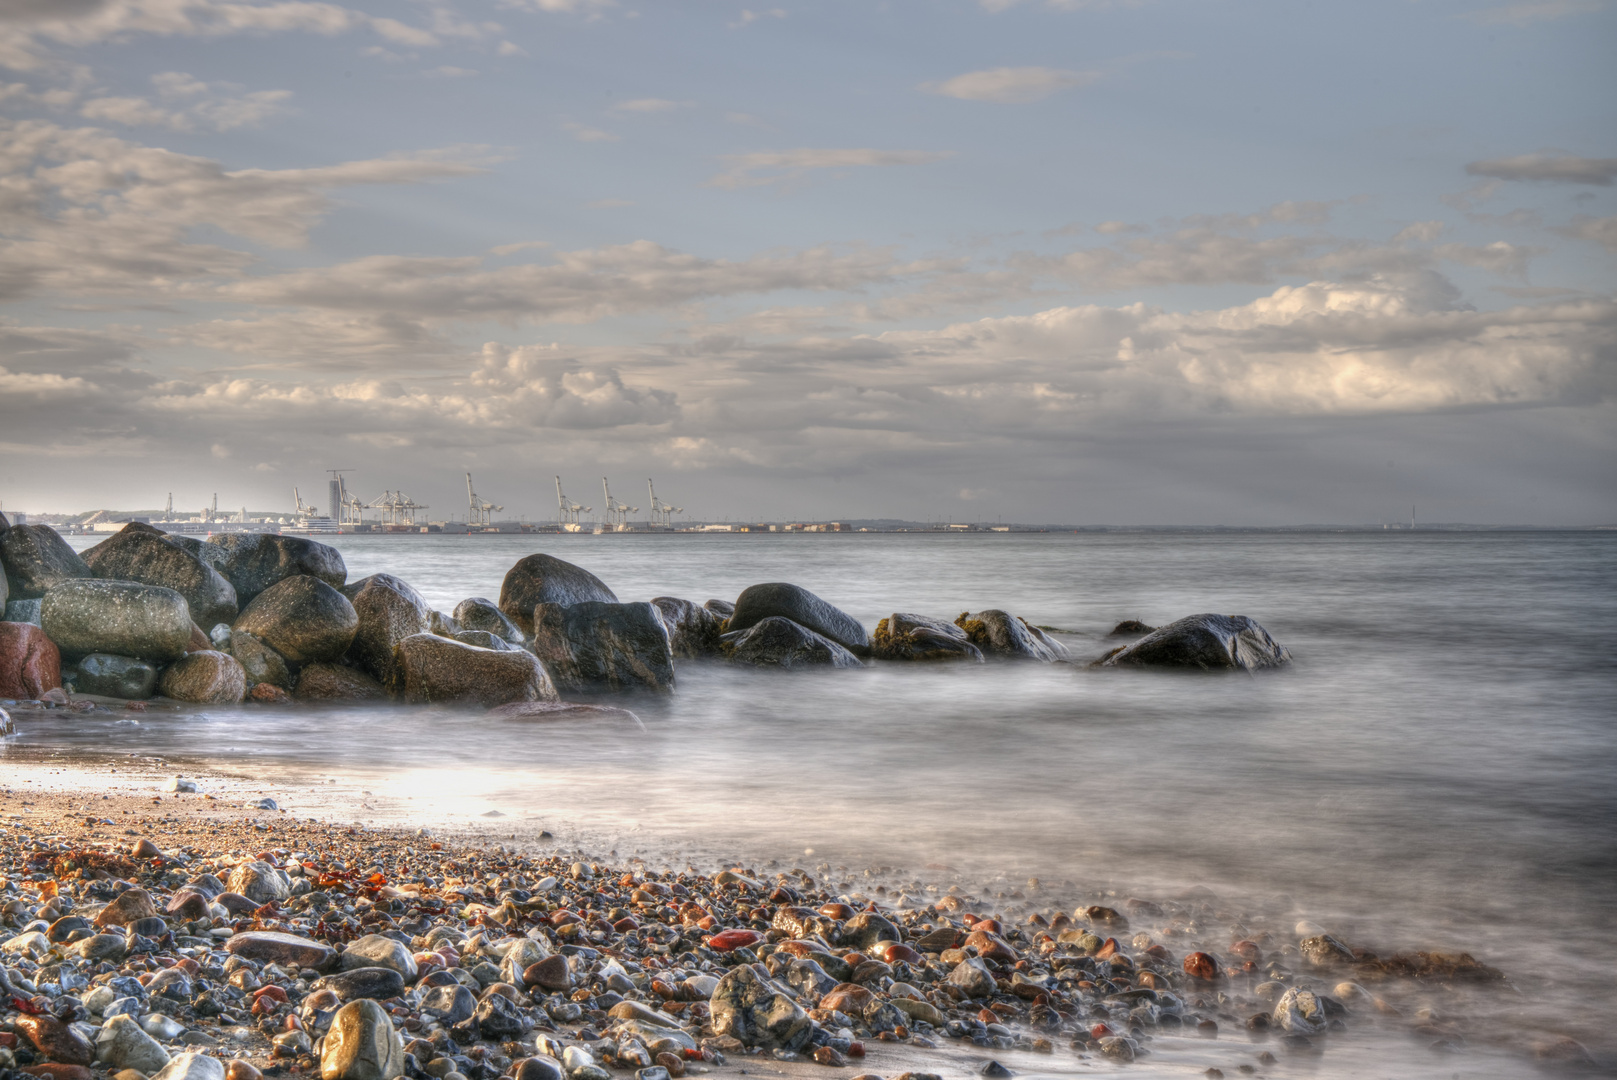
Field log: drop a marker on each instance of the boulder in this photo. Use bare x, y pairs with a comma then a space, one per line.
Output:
1130, 628
302, 618
749, 1007
1208, 642
115, 676
23, 610
209, 677
376, 950
545, 579
722, 608
759, 602
998, 634
597, 646
255, 561
117, 617
693, 630
780, 642
333, 682
478, 613
35, 558
145, 554
482, 639
261, 663
362, 1044
389, 611
443, 625
562, 710
435, 669
1300, 1012
902, 636
30, 663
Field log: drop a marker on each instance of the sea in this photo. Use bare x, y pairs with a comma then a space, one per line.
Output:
1436, 770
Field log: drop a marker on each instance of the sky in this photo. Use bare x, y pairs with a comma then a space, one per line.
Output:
1171, 262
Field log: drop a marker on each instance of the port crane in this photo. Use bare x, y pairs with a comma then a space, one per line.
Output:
617, 514
304, 510
479, 510
349, 508
397, 508
569, 510
661, 512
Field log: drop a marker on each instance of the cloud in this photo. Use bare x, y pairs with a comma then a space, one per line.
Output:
1011, 85
1113, 228
449, 71
185, 103
584, 133
1602, 231
783, 166
747, 17
1564, 168
650, 105
1535, 11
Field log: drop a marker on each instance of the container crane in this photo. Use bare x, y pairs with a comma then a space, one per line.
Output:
661, 513
479, 510
569, 510
617, 514
304, 510
397, 508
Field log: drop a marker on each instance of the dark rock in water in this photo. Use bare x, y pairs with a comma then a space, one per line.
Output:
759, 602
751, 1008
722, 608
482, 639
1204, 641
376, 983
389, 611
255, 561
498, 1017
999, 634
302, 618
261, 663
333, 682
35, 558
116, 676
902, 636
481, 614
596, 646
1323, 950
561, 710
779, 642
117, 617
205, 678
545, 579
693, 631
1130, 628
431, 668
139, 552
30, 662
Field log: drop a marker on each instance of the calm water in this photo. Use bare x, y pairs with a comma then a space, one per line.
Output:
1438, 768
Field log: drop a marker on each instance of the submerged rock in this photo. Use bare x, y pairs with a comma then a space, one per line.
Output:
545, 579
997, 633
116, 676
141, 553
1208, 642
253, 562
759, 602
205, 678
780, 642
35, 558
595, 647
693, 631
333, 682
435, 669
389, 611
561, 710
30, 662
302, 618
478, 613
117, 617
915, 637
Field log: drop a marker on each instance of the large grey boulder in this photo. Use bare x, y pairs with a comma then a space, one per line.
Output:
334, 682
302, 618
545, 579
999, 634
35, 558
115, 676
429, 668
759, 602
139, 552
693, 630
1208, 642
84, 616
255, 561
362, 1044
389, 611
780, 642
261, 663
749, 1007
483, 640
207, 677
902, 636
596, 647
478, 613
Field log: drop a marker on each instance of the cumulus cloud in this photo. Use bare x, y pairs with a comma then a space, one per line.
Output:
1556, 168
784, 166
1011, 85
